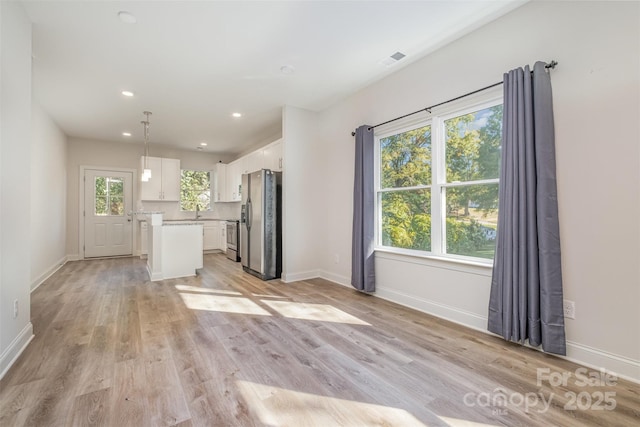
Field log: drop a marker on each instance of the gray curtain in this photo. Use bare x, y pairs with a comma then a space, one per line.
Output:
526, 287
363, 276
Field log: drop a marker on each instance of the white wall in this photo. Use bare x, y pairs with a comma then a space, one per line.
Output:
15, 142
127, 155
596, 87
48, 196
303, 182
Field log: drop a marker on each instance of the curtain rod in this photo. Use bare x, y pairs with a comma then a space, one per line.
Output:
551, 65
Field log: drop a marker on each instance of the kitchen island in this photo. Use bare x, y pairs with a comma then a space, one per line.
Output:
174, 250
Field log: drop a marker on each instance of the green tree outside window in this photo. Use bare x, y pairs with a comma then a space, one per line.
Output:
195, 190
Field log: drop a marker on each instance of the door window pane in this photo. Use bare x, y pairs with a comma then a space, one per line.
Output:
116, 207
116, 187
101, 205
101, 186
109, 196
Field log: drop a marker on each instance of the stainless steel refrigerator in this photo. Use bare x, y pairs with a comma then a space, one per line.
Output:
261, 224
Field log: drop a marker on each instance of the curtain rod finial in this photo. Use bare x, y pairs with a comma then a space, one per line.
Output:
353, 134
552, 64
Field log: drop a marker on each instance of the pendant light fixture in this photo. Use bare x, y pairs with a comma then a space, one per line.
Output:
146, 173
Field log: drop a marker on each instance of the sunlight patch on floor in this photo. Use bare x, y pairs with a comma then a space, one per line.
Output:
223, 304
280, 406
186, 288
319, 312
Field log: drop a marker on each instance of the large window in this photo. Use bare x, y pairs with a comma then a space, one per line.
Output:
195, 190
437, 184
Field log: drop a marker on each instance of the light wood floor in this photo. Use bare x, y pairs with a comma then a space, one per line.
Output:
224, 349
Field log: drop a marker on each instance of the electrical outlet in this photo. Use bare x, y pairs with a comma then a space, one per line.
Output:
336, 259
15, 309
569, 308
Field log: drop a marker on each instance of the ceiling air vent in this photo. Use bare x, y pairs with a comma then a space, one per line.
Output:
393, 59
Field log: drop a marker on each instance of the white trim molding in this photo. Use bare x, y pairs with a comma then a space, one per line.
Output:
303, 275
443, 311
15, 349
621, 366
44, 276
336, 278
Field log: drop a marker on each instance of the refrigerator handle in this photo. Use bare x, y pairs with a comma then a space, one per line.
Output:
249, 214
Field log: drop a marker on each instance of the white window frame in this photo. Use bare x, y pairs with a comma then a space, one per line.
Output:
438, 175
210, 189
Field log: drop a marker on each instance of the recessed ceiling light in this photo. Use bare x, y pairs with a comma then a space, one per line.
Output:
236, 115
126, 133
127, 93
204, 144
127, 17
287, 69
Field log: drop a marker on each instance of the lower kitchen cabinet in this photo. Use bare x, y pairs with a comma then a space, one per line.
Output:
211, 232
223, 236
143, 237
215, 235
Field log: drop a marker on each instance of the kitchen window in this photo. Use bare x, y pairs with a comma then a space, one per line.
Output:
195, 190
437, 184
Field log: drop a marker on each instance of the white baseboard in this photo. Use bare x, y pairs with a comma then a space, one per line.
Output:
74, 257
623, 367
44, 276
453, 314
303, 275
15, 349
336, 278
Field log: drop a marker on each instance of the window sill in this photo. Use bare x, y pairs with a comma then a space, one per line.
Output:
456, 264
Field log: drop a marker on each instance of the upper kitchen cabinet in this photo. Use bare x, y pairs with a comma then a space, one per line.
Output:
164, 184
219, 183
254, 161
235, 170
272, 156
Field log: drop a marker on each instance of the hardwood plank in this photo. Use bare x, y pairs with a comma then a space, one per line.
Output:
224, 348
91, 409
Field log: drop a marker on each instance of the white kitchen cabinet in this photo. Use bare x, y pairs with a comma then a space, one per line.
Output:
143, 237
164, 184
254, 161
219, 183
211, 235
234, 180
272, 156
223, 236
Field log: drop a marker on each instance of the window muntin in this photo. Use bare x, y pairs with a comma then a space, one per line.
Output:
453, 161
195, 189
109, 196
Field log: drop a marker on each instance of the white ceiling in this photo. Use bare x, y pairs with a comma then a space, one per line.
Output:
193, 63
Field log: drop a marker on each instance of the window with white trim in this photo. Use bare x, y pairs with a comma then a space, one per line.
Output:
437, 184
195, 190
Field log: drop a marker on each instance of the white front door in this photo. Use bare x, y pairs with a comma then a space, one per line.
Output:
107, 200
